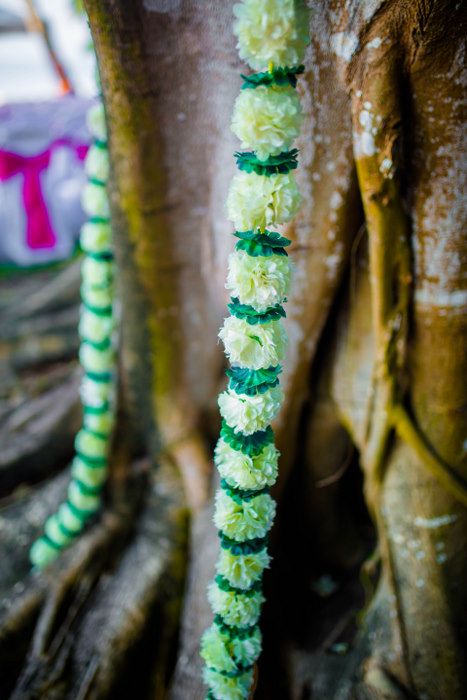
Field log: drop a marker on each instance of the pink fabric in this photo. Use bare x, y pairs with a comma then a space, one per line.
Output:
39, 232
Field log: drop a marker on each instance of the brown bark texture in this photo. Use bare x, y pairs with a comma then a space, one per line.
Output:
366, 595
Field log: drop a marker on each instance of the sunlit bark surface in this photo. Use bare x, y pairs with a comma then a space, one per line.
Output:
373, 478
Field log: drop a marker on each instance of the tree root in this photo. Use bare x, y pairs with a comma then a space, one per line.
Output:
37, 436
196, 616
446, 475
92, 623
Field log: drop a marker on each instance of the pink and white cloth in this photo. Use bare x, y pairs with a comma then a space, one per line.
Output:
42, 151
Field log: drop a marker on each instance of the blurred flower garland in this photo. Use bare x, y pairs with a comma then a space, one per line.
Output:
267, 118
89, 468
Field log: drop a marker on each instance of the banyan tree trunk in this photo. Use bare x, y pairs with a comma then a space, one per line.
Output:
367, 594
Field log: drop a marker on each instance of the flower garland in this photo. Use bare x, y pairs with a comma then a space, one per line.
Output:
267, 118
89, 468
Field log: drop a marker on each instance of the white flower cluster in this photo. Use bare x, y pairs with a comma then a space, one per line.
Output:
96, 237
246, 520
100, 422
97, 359
95, 201
237, 609
248, 414
254, 347
89, 444
258, 201
95, 120
99, 297
91, 478
94, 394
94, 327
81, 499
245, 472
258, 281
228, 653
228, 688
267, 119
271, 31
96, 274
97, 163
242, 570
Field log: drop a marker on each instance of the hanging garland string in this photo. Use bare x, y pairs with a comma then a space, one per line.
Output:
267, 118
89, 468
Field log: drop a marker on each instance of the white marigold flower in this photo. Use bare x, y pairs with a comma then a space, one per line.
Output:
257, 201
246, 650
98, 296
69, 519
95, 359
83, 501
55, 533
95, 119
225, 653
97, 163
242, 570
90, 444
246, 520
258, 281
96, 237
94, 327
216, 652
89, 476
250, 413
271, 31
95, 394
99, 422
267, 119
42, 553
246, 472
255, 347
95, 201
96, 273
237, 609
228, 688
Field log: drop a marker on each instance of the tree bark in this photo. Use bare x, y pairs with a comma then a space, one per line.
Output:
373, 475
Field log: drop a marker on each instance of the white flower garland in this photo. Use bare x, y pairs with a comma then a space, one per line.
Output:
253, 347
255, 202
244, 471
267, 120
258, 281
267, 116
250, 413
271, 31
89, 468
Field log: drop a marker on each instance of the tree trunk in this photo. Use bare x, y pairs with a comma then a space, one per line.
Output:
366, 595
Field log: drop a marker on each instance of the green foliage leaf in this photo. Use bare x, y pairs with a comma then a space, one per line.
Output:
270, 238
251, 445
282, 163
224, 585
253, 317
231, 631
252, 546
266, 244
253, 381
238, 495
282, 75
255, 249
